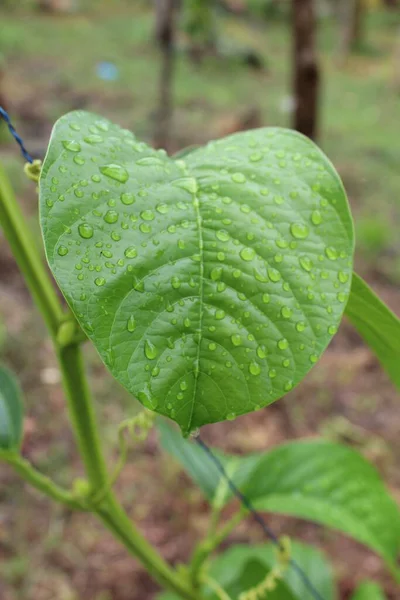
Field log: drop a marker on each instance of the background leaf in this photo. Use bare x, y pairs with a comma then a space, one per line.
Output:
320, 481
368, 590
242, 567
11, 411
209, 286
377, 324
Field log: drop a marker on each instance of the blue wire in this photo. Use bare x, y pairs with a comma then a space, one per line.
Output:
15, 135
257, 517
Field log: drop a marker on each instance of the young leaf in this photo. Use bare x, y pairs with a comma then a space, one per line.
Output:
368, 590
11, 411
209, 286
377, 324
319, 481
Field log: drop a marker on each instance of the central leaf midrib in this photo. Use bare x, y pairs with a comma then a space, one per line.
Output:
199, 222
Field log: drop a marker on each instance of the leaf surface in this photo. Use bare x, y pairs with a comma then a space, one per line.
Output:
209, 286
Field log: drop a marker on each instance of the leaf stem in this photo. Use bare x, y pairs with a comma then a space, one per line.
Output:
27, 256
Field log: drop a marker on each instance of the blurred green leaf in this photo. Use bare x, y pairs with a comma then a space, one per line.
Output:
11, 411
320, 481
244, 566
368, 590
377, 324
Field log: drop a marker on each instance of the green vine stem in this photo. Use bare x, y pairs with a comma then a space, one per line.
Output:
41, 482
28, 258
79, 402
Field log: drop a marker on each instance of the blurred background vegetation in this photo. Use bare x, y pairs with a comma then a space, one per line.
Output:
204, 70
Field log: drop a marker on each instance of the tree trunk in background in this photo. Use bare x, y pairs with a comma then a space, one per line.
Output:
351, 22
392, 3
305, 68
165, 37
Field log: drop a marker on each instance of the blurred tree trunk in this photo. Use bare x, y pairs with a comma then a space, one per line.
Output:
392, 3
165, 37
351, 22
305, 68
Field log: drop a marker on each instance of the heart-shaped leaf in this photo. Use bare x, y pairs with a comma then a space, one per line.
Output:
11, 411
209, 286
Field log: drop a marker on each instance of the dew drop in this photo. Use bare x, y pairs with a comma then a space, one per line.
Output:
150, 350
111, 217
288, 386
176, 283
219, 314
99, 281
342, 297
332, 329
162, 208
283, 344
261, 351
313, 358
131, 324
85, 231
247, 254
127, 198
236, 339
272, 373
130, 252
254, 368
216, 273
145, 228
238, 178
212, 346
223, 235
274, 275
114, 171
62, 250
306, 263
316, 217
93, 139
343, 277
71, 145
331, 253
147, 215
256, 157
300, 326
286, 312
266, 298
299, 230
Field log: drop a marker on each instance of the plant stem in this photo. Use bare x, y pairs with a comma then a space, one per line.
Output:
211, 542
27, 256
41, 482
109, 510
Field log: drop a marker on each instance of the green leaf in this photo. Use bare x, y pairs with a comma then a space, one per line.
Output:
204, 472
377, 324
368, 590
11, 411
330, 484
209, 286
242, 567
320, 481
